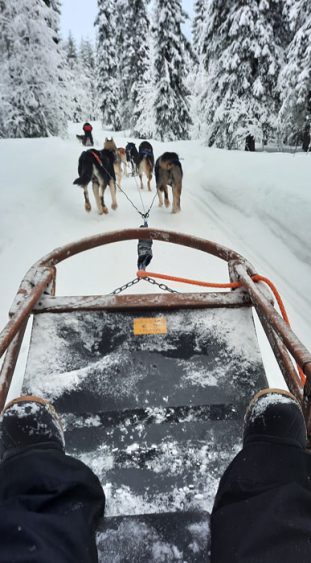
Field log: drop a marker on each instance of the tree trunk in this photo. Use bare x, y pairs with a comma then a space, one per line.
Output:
250, 143
306, 139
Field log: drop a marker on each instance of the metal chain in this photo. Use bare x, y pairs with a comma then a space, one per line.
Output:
125, 286
147, 279
143, 215
160, 285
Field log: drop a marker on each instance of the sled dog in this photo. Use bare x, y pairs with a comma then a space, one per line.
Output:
122, 156
87, 138
132, 158
97, 166
145, 163
110, 145
86, 141
168, 172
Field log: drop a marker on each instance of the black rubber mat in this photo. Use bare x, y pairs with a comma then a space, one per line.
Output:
154, 404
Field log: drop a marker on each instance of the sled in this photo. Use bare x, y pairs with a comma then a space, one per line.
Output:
152, 390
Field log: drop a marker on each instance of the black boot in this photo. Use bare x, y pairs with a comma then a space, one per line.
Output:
29, 421
275, 415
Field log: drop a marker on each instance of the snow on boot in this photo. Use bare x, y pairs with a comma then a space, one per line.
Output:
275, 415
29, 421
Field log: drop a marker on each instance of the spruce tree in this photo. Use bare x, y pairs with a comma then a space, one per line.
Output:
54, 17
133, 49
171, 101
108, 87
197, 24
145, 126
74, 80
88, 80
197, 78
5, 51
242, 54
33, 79
295, 79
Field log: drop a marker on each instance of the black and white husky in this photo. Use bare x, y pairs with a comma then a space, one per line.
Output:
132, 157
97, 166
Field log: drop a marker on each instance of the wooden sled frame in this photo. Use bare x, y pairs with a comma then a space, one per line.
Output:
40, 281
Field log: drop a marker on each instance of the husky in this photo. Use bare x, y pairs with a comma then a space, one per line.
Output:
168, 172
98, 167
110, 145
145, 163
132, 158
122, 156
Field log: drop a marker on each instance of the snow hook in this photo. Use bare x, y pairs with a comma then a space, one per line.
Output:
144, 250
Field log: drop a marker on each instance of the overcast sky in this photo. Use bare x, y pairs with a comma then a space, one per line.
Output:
79, 15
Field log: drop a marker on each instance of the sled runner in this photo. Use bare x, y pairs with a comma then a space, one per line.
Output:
152, 390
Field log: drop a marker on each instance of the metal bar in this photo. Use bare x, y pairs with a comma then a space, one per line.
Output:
138, 301
210, 247
286, 366
25, 308
291, 341
9, 364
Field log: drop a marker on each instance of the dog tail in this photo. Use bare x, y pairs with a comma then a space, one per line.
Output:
85, 169
80, 181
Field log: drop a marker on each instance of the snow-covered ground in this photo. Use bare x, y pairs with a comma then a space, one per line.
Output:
259, 204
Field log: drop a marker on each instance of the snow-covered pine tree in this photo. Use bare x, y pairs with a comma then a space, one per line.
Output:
199, 7
88, 80
32, 84
295, 78
5, 51
197, 78
145, 124
71, 51
171, 101
107, 65
75, 82
243, 54
133, 48
54, 17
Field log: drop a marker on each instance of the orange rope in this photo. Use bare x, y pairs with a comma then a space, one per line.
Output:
144, 274
230, 285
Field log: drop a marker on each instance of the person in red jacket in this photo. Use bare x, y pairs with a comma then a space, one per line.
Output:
87, 137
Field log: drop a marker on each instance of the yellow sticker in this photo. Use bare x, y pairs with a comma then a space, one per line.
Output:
153, 325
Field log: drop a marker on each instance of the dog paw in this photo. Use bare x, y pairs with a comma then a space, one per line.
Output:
114, 206
87, 207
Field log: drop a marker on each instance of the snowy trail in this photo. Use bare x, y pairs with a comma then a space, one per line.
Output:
246, 202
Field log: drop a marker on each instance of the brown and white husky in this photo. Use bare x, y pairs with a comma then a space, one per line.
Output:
145, 163
168, 172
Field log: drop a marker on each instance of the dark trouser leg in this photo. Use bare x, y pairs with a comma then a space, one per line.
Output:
50, 505
262, 511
